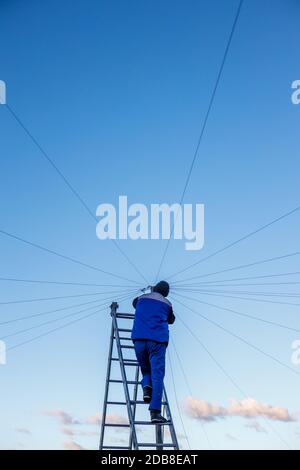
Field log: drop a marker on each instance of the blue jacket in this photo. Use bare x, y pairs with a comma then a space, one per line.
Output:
153, 314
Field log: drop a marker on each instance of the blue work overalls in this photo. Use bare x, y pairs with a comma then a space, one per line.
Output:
150, 335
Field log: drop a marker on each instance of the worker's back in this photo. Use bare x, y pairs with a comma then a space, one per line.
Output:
152, 316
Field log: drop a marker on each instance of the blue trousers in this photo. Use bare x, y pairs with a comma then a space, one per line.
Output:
151, 357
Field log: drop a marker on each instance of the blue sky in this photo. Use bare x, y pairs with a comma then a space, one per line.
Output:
116, 93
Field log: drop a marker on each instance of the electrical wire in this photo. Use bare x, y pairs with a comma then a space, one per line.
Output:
60, 327
229, 377
243, 340
103, 302
189, 388
245, 315
23, 301
68, 184
60, 283
241, 266
236, 242
177, 402
65, 257
204, 125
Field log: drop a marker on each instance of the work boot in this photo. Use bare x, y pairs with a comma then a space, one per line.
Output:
147, 394
156, 417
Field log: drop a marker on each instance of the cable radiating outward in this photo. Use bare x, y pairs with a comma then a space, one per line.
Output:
241, 266
189, 388
103, 302
203, 128
121, 299
238, 337
63, 297
65, 257
69, 185
229, 377
246, 278
177, 402
236, 312
48, 312
60, 283
236, 242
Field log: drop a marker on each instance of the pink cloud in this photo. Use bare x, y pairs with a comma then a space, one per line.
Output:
64, 418
72, 445
247, 408
110, 418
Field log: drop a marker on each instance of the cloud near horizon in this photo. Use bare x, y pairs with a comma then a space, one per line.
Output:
63, 417
72, 445
248, 408
24, 431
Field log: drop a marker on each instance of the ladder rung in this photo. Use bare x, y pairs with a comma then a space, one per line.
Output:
130, 382
147, 423
123, 338
116, 403
148, 444
141, 402
124, 330
123, 346
115, 447
116, 425
126, 362
128, 316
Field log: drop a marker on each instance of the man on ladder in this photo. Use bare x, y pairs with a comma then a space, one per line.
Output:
150, 335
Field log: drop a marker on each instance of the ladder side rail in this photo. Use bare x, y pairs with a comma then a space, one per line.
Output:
103, 419
135, 393
159, 437
124, 377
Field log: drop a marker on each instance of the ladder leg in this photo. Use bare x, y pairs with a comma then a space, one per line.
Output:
159, 436
135, 392
106, 387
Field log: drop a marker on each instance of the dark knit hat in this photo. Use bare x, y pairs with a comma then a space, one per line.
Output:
162, 288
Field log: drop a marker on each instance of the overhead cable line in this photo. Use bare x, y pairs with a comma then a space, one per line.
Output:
69, 185
61, 327
65, 257
189, 388
23, 301
39, 325
177, 402
241, 266
246, 278
60, 283
228, 376
216, 289
251, 299
203, 128
245, 315
243, 340
236, 242
48, 312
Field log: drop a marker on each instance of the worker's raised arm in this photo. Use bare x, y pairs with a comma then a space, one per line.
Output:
171, 317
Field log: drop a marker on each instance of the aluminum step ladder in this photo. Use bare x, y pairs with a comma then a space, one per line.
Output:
120, 338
